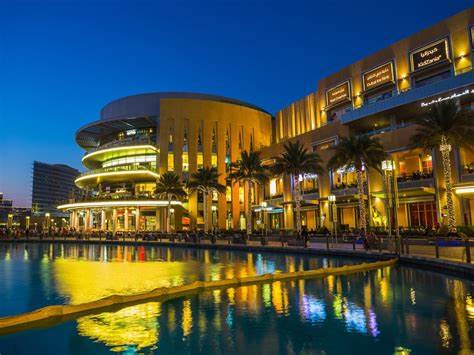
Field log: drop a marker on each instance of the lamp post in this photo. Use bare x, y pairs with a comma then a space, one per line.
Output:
214, 216
332, 200
391, 198
263, 209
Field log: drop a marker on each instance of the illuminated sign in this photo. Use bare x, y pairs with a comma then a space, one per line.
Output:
338, 94
429, 55
376, 77
450, 97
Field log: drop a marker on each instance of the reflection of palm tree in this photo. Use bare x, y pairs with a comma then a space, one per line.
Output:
248, 169
295, 161
359, 152
205, 181
169, 187
444, 126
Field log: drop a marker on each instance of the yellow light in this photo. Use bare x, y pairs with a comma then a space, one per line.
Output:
108, 150
273, 188
114, 173
464, 190
332, 198
126, 203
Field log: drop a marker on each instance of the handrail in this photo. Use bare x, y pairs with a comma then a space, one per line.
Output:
133, 167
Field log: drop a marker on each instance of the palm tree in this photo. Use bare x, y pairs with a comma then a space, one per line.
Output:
445, 125
295, 161
359, 152
169, 187
248, 169
205, 181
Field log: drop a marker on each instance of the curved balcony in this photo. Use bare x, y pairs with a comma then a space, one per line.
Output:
118, 149
117, 174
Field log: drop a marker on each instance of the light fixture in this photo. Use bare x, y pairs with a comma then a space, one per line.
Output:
464, 190
125, 203
332, 198
387, 165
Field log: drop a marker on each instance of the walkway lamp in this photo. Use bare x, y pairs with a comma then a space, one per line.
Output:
214, 216
263, 209
333, 208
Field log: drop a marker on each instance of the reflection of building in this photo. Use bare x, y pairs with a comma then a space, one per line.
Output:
380, 96
52, 185
137, 138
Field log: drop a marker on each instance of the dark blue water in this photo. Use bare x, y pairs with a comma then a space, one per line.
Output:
394, 310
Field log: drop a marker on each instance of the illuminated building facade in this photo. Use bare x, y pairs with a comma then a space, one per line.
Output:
139, 137
380, 96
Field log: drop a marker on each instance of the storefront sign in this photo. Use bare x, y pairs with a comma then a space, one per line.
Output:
432, 54
449, 97
378, 76
338, 94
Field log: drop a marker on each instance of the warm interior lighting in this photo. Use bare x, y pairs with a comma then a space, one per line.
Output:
117, 149
464, 190
140, 203
332, 198
114, 173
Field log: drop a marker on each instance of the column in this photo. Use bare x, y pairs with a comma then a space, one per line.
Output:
71, 219
137, 219
125, 223
157, 219
102, 220
76, 219
87, 220
114, 220
91, 219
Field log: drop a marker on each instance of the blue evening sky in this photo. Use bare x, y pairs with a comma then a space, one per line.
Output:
61, 61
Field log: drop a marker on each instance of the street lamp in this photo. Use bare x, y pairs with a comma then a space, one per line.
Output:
332, 200
263, 209
214, 216
391, 198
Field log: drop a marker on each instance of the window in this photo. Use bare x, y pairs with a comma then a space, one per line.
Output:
423, 214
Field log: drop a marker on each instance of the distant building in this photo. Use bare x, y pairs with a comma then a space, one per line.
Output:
6, 208
52, 185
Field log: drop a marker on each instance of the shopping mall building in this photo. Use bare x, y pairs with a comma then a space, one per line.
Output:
139, 137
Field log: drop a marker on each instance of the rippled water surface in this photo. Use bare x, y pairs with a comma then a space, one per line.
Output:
393, 310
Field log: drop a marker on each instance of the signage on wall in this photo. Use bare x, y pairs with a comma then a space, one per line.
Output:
429, 55
379, 76
449, 97
338, 94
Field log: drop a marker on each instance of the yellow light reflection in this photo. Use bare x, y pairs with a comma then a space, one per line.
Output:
187, 321
130, 328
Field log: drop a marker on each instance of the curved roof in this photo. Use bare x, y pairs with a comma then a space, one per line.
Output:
139, 111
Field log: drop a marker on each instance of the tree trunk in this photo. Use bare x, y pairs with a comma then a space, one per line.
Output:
362, 209
445, 149
297, 203
204, 211
249, 208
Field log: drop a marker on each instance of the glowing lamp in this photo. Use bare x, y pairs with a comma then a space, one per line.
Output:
332, 198
387, 165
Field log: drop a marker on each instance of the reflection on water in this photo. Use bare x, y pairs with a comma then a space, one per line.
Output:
392, 310
40, 274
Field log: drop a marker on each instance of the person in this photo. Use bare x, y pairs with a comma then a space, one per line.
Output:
305, 236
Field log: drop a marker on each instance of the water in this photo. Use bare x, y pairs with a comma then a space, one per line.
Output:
394, 310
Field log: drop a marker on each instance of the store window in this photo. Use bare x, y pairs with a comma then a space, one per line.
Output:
423, 214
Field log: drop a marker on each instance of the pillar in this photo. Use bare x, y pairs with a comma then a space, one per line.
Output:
125, 223
137, 219
157, 219
102, 220
114, 220
87, 220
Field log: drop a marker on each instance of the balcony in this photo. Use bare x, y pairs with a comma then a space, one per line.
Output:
117, 149
117, 174
344, 189
410, 96
416, 180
